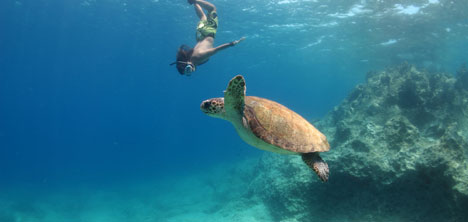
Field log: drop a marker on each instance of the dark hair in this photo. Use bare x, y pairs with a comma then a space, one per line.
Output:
184, 54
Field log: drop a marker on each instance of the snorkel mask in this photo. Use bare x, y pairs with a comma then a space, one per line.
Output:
188, 69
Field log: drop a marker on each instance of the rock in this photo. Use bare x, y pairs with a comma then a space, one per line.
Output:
399, 150
462, 78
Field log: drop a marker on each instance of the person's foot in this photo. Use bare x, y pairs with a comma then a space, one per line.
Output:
191, 1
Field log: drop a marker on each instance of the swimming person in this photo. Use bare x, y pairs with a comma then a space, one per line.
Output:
187, 58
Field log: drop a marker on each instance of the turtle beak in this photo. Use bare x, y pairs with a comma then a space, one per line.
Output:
205, 106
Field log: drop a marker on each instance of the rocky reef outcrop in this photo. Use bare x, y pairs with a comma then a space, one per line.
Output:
399, 153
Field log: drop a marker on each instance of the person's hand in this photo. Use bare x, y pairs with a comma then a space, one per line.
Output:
237, 41
191, 1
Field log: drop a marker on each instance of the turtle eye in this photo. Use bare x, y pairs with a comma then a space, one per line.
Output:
207, 105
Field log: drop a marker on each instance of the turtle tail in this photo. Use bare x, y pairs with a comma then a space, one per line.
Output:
316, 163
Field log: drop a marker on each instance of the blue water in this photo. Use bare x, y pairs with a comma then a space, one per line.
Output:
88, 99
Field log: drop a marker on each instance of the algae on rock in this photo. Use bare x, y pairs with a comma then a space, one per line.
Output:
402, 118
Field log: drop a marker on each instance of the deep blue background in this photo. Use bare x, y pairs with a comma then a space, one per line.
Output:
87, 95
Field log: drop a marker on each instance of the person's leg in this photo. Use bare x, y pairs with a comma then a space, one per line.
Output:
206, 5
199, 12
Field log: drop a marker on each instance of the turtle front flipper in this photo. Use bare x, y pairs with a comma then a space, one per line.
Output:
234, 96
316, 163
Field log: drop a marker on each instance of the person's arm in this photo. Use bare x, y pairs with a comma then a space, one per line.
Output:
223, 46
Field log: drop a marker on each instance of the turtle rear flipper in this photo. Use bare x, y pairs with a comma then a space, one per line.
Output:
234, 97
316, 163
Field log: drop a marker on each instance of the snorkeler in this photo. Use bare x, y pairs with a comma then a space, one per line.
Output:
187, 58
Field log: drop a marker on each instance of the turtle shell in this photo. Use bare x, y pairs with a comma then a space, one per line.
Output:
279, 126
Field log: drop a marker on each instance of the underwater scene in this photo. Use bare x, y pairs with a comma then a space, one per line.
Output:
162, 110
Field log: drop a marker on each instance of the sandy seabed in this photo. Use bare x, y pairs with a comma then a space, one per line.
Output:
206, 195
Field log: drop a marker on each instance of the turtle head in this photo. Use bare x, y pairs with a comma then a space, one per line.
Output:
213, 107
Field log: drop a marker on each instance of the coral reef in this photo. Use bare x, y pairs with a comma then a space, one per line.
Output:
399, 153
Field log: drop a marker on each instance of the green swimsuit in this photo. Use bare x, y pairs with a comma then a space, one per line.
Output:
207, 27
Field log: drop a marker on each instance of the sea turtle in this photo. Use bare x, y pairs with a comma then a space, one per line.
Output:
269, 126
